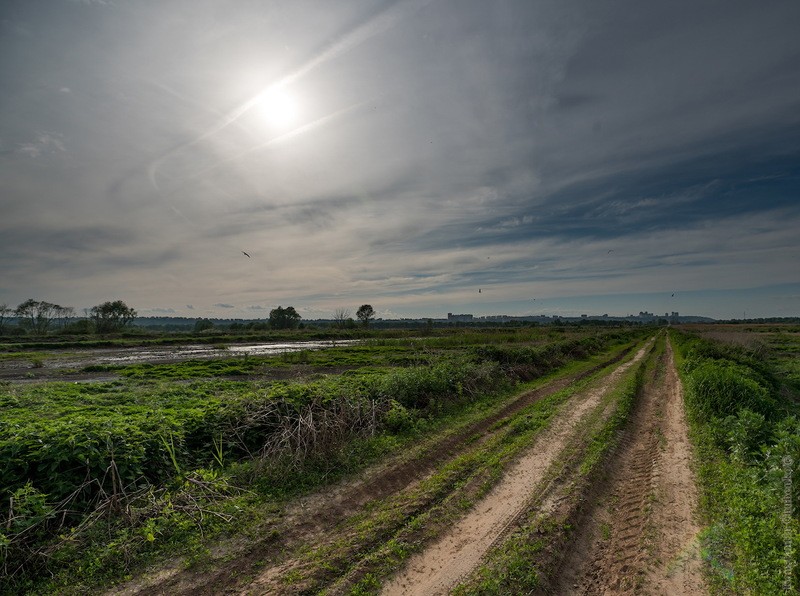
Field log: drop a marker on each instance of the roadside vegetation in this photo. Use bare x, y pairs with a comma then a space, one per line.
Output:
101, 478
742, 405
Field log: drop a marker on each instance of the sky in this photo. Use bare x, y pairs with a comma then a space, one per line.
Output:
528, 157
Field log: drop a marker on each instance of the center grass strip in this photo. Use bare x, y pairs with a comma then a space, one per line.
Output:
524, 560
382, 538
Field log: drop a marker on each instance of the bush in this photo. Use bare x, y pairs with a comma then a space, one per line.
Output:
742, 435
720, 389
398, 419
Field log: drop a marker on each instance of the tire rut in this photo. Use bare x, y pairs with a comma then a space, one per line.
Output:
444, 563
634, 538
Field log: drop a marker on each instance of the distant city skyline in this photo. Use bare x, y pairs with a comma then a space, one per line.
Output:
221, 157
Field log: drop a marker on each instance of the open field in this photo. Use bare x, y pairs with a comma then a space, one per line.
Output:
465, 463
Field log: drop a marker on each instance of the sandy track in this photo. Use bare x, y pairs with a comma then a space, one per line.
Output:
640, 537
440, 566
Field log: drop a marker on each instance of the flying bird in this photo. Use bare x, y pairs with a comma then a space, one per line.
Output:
247, 255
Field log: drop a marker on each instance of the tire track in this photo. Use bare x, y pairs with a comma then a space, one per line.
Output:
640, 536
440, 566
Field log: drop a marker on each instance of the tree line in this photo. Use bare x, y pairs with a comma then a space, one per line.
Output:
343, 320
40, 317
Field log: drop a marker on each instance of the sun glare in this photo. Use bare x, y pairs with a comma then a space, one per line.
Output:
278, 108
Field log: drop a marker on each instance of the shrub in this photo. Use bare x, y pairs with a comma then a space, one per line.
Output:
719, 389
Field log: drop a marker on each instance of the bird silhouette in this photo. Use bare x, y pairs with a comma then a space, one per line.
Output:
479, 290
247, 255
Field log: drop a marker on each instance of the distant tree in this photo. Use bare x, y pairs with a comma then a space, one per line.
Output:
110, 317
64, 314
37, 315
5, 313
203, 325
283, 318
365, 314
340, 317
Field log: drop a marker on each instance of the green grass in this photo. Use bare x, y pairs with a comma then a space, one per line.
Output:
157, 437
743, 426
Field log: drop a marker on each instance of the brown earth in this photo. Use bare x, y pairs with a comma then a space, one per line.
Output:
640, 536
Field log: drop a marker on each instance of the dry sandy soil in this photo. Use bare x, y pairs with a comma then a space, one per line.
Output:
640, 535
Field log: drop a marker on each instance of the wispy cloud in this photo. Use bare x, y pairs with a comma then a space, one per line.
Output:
161, 311
530, 149
92, 2
44, 142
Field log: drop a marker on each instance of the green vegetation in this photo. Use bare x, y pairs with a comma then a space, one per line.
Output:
365, 314
744, 422
284, 318
111, 317
101, 477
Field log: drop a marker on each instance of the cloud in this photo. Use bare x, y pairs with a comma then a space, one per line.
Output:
44, 142
92, 2
510, 150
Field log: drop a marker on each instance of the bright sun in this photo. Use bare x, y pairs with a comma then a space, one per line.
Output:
278, 108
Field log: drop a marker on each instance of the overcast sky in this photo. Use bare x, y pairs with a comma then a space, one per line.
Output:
423, 156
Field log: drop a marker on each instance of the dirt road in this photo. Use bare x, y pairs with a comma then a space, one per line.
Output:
640, 536
636, 530
262, 565
437, 569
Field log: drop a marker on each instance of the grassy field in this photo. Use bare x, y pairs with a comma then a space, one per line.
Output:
742, 402
102, 477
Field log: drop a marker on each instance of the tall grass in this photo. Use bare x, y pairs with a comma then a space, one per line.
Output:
748, 447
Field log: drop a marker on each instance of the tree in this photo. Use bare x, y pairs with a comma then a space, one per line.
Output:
283, 318
203, 325
37, 315
5, 311
64, 314
340, 317
365, 314
110, 317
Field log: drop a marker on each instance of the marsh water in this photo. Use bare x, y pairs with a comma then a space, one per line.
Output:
77, 358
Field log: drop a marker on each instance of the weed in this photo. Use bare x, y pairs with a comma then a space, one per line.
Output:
605, 530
